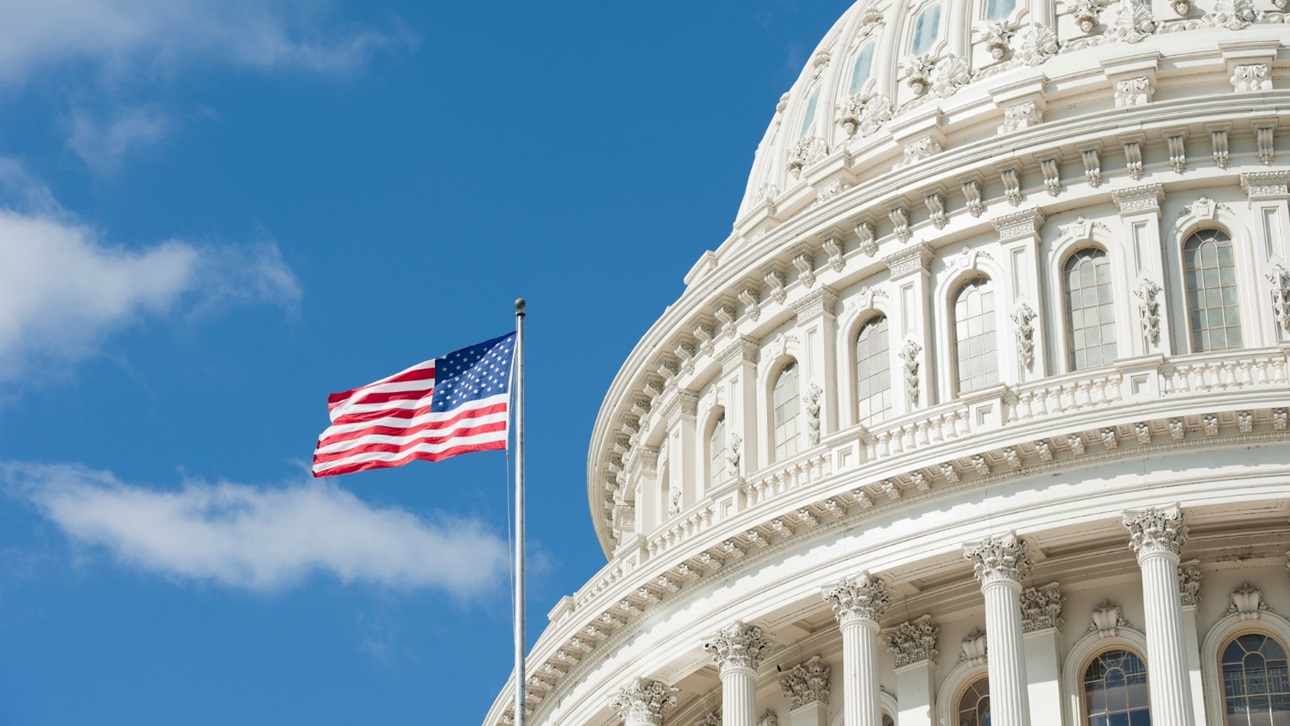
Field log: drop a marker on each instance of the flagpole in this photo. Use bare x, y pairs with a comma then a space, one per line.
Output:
519, 512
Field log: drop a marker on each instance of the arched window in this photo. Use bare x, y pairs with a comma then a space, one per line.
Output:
1090, 311
1213, 313
1115, 690
886, 719
927, 28
717, 451
999, 9
808, 118
974, 328
873, 374
1256, 685
786, 404
861, 68
973, 707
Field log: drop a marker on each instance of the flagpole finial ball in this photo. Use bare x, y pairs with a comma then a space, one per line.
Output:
519, 304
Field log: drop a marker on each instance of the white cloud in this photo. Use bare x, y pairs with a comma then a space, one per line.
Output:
261, 539
102, 143
130, 37
63, 290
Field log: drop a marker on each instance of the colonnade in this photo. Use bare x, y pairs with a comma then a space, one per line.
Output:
1001, 565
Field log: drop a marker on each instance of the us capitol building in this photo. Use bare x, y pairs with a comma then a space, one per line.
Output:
979, 416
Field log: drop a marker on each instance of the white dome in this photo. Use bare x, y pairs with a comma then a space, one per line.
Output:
1008, 273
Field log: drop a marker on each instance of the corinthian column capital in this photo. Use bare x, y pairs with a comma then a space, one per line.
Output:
999, 558
862, 597
641, 702
1154, 530
738, 646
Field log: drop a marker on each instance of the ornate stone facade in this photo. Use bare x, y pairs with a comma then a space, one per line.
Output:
1015, 206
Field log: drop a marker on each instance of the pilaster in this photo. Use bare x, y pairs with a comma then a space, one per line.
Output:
739, 374
1019, 237
1041, 617
914, 645
817, 326
1269, 202
1140, 220
806, 686
911, 282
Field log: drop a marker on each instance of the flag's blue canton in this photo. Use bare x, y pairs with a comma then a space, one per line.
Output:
473, 373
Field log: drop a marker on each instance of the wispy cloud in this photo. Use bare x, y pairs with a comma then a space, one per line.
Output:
122, 38
260, 539
63, 289
103, 142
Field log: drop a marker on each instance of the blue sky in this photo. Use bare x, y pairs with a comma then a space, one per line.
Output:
214, 213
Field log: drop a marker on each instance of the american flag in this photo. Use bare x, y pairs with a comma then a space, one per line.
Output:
440, 408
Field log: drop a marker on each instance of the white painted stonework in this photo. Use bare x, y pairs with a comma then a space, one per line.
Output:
1134, 499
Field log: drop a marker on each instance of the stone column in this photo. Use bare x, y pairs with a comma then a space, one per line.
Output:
859, 603
1019, 236
738, 649
1000, 564
914, 645
806, 686
1189, 578
1041, 616
1157, 536
641, 702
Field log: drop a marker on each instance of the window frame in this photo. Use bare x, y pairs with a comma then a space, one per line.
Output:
1063, 292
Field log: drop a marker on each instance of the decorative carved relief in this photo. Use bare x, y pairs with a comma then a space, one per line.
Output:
805, 152
865, 113
900, 220
949, 74
920, 149
1177, 154
833, 248
1021, 116
1023, 317
1092, 167
752, 302
974, 648
813, 414
1189, 578
1148, 293
1052, 176
1232, 14
909, 354
1011, 186
863, 597
972, 193
1156, 530
1041, 608
770, 718
999, 558
643, 702
1218, 140
1134, 92
1252, 77
868, 238
806, 683
1034, 44
1107, 620
1279, 277
913, 641
1247, 602
997, 37
1133, 159
1087, 14
917, 72
936, 208
738, 646
1133, 22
